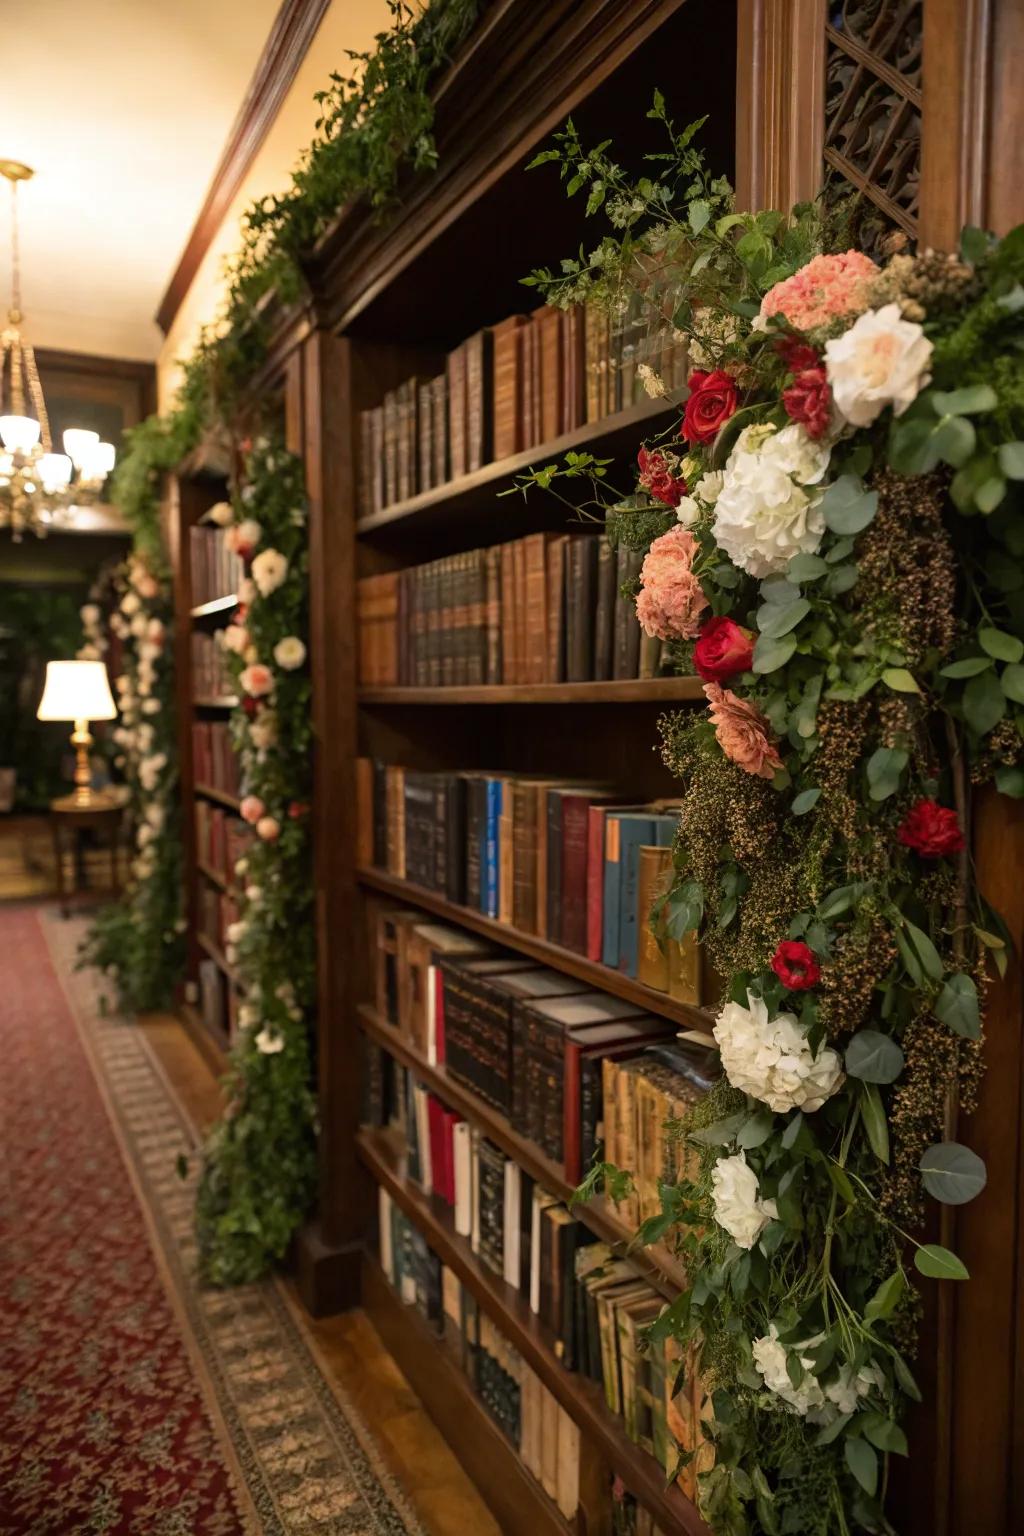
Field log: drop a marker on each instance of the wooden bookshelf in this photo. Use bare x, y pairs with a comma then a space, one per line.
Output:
227, 701
663, 1270
213, 875
216, 605
651, 690
218, 956
221, 796
213, 1043
582, 1399
601, 977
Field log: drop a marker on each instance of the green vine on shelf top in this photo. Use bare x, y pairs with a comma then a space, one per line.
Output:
833, 527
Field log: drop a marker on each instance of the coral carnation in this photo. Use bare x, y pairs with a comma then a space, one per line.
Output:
932, 830
796, 965
671, 598
742, 732
823, 290
724, 648
657, 478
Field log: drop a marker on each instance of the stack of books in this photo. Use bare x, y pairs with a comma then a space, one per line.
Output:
548, 608
216, 570
214, 763
516, 385
221, 839
211, 678
570, 863
540, 1430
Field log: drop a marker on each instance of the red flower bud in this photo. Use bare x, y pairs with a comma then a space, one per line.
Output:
297, 809
251, 705
723, 649
796, 965
931, 830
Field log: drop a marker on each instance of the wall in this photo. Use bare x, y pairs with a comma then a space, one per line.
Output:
347, 24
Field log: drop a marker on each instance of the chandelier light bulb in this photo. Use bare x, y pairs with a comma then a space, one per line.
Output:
97, 461
54, 471
19, 433
78, 442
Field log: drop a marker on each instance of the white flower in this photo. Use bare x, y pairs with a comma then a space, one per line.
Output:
257, 680
145, 835
145, 736
151, 706
297, 517
285, 992
770, 1359
138, 625
241, 866
221, 513
263, 729
771, 1059
652, 383
253, 893
155, 815
248, 1016
290, 653
150, 770
764, 514
269, 1044
269, 569
130, 603
148, 651
244, 536
155, 630
235, 932
881, 360
687, 511
89, 614
118, 626
709, 487
122, 683
236, 638
246, 590
737, 1207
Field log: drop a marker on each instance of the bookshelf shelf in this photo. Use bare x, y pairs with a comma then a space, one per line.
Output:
213, 1043
583, 1400
602, 977
213, 875
221, 796
217, 954
658, 1266
228, 701
469, 493
215, 605
655, 690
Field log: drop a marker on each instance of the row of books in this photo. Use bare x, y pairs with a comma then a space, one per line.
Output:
517, 385
548, 608
217, 911
569, 862
211, 677
221, 839
216, 570
218, 1002
214, 761
545, 1437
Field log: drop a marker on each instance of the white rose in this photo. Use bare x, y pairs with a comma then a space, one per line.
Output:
764, 515
771, 1059
155, 815
151, 706
236, 638
770, 1359
737, 1207
235, 932
263, 729
881, 360
269, 570
687, 511
89, 614
244, 535
290, 653
269, 1044
253, 893
709, 487
145, 835
222, 513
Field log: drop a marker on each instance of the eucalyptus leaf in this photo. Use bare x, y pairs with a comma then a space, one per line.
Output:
755, 1131
970, 666
972, 400
990, 494
1010, 781
997, 643
862, 1461
847, 507
952, 1173
957, 1006
931, 962
1011, 460
876, 1125
806, 568
805, 801
885, 768
841, 579
938, 1263
954, 440
1011, 681
984, 703
874, 1057
883, 1433
770, 653
900, 680
775, 620
887, 1297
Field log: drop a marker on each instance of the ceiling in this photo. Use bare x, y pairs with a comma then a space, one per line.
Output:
122, 107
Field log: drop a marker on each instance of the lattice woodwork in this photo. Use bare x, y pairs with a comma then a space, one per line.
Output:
873, 114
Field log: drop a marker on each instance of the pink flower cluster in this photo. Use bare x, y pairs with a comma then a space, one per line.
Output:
743, 733
827, 287
671, 599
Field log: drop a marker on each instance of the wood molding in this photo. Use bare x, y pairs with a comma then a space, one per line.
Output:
294, 29
780, 102
55, 360
955, 119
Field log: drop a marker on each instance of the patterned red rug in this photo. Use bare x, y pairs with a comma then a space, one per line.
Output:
132, 1401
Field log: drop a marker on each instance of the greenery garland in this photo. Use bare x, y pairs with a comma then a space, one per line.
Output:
259, 1162
837, 538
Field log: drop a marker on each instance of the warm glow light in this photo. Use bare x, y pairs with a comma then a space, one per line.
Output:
97, 461
20, 433
76, 690
54, 471
79, 444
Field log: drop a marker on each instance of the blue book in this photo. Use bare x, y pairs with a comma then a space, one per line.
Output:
612, 902
634, 832
491, 862
665, 830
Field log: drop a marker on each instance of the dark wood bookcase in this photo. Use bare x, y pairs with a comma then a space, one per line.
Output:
387, 293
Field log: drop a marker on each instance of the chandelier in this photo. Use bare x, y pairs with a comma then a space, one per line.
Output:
35, 483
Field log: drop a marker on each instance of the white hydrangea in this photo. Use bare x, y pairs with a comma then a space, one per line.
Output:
881, 360
772, 1060
768, 508
269, 570
734, 1190
709, 487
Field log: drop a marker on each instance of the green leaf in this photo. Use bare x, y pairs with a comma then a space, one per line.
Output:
885, 767
863, 1463
804, 801
720, 1133
990, 494
840, 900
1011, 460
872, 1112
954, 440
755, 1131
776, 619
770, 654
887, 1298
912, 447
1010, 781
884, 1434
984, 703
957, 1006
841, 579
847, 507
1012, 682
834, 1430
970, 666
931, 962
806, 568
939, 1264
874, 1057
973, 244
698, 213
972, 400
999, 644
792, 1131
900, 680
905, 1377
841, 1180
952, 1173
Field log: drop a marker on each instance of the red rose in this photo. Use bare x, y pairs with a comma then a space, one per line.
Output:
657, 478
809, 400
298, 808
932, 830
723, 649
795, 965
712, 401
251, 705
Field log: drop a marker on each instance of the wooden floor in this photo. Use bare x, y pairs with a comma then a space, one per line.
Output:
441, 1494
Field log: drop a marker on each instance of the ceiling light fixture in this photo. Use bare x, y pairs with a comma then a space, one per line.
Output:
37, 484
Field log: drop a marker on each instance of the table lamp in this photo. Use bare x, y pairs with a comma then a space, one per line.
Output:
78, 691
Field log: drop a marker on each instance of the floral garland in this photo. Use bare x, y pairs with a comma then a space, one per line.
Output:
138, 940
833, 533
259, 1162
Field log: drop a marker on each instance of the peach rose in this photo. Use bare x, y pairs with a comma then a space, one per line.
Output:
671, 599
257, 680
742, 732
269, 828
251, 809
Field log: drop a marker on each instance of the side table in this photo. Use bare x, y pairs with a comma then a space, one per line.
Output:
103, 813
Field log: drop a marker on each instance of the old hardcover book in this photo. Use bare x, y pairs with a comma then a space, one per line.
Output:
548, 322
528, 343
593, 324
555, 598
650, 655
507, 353
405, 396
589, 1046
492, 614
524, 856
458, 432
439, 472
684, 974
535, 584
627, 631
574, 404
573, 932
479, 381
395, 781
604, 614
654, 872
425, 435
634, 1362
567, 1492
509, 624
389, 952
505, 852
476, 838
428, 945
364, 812
580, 595
678, 1375
519, 611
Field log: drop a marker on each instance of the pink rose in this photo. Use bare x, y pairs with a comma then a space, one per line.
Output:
671, 598
251, 809
257, 680
269, 828
742, 732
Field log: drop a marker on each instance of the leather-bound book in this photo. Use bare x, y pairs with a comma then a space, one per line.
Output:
580, 596
477, 617
377, 458
405, 396
448, 579
425, 436
593, 325
419, 824
433, 623
529, 367
684, 978
380, 814
509, 628
440, 471
655, 866
524, 856
604, 611
505, 850
626, 662
395, 781
549, 335
507, 355
574, 870
458, 436
476, 839
519, 624
557, 545
536, 628
492, 615
390, 447
574, 366
479, 381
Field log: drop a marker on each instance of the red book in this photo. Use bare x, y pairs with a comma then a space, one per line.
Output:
436, 1127
439, 1056
451, 1120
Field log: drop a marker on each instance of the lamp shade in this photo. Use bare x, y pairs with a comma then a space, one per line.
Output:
76, 690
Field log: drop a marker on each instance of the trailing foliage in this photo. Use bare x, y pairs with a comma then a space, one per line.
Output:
259, 1162
838, 538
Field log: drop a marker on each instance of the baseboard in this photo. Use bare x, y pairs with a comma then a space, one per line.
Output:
327, 1277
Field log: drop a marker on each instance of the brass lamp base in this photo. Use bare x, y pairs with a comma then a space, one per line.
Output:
81, 740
